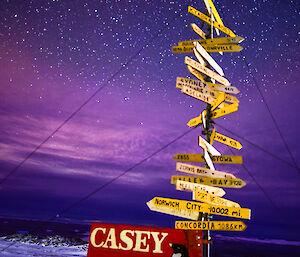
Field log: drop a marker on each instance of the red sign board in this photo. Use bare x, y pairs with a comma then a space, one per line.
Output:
111, 240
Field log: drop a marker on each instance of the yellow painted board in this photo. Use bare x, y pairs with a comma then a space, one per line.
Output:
198, 30
211, 225
242, 213
207, 19
194, 157
208, 72
220, 99
215, 114
213, 41
195, 84
193, 215
223, 48
202, 196
182, 49
197, 94
190, 187
220, 182
202, 171
228, 141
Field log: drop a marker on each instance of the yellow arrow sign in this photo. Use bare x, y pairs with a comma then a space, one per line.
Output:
211, 225
242, 213
205, 197
206, 19
198, 94
213, 41
220, 99
192, 215
190, 187
190, 157
223, 48
206, 71
201, 171
215, 114
228, 141
198, 30
221, 182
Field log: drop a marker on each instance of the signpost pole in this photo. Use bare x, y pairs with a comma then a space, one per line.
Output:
207, 132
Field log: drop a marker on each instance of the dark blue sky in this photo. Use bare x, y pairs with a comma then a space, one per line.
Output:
55, 54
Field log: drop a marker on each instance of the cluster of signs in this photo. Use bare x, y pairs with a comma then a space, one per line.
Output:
206, 184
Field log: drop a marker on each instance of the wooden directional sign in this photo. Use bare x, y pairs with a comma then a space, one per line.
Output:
215, 114
242, 213
220, 99
198, 30
205, 197
190, 157
212, 41
208, 72
198, 56
196, 73
190, 187
228, 141
212, 16
206, 19
220, 40
211, 225
210, 60
219, 87
223, 48
205, 145
212, 136
197, 94
213, 9
195, 84
188, 214
201, 171
182, 49
221, 182
208, 160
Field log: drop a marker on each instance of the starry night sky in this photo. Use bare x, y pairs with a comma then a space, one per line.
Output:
54, 55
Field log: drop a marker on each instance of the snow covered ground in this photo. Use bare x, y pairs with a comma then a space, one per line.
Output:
26, 245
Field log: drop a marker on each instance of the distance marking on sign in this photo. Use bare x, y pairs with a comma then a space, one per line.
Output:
208, 58
220, 40
242, 213
190, 187
206, 71
202, 171
194, 157
211, 225
205, 197
207, 19
223, 48
220, 182
225, 89
188, 214
228, 141
198, 30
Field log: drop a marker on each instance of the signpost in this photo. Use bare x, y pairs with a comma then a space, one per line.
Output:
201, 171
190, 157
227, 141
205, 197
211, 225
190, 187
220, 182
242, 213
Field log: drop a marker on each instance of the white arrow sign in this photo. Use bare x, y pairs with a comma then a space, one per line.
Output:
205, 145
